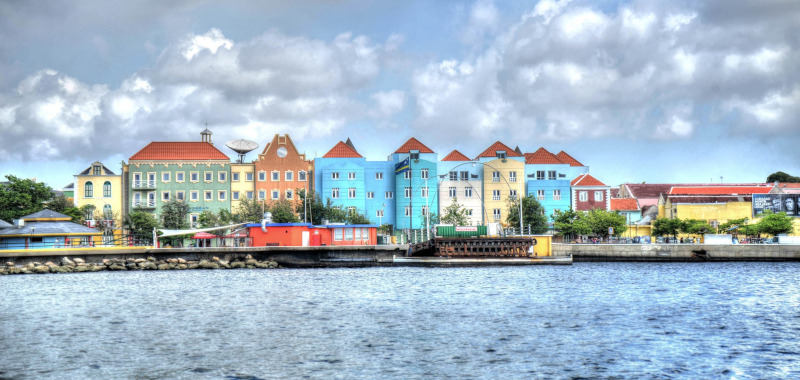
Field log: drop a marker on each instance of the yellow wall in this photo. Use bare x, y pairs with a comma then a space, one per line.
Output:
98, 200
544, 244
488, 186
242, 185
721, 212
637, 230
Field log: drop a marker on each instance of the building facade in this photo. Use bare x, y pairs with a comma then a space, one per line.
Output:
280, 171
101, 189
503, 180
588, 193
412, 192
461, 180
547, 179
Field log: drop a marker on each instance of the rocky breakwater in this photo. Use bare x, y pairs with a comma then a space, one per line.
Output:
67, 265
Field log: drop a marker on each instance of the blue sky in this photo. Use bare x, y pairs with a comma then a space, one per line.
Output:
641, 91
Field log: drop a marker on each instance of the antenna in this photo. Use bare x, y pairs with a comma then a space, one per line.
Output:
241, 147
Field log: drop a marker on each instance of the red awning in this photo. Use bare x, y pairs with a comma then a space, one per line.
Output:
204, 235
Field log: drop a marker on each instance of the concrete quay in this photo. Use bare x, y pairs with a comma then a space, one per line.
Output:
678, 252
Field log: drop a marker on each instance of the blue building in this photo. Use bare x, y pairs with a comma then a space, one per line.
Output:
413, 196
548, 180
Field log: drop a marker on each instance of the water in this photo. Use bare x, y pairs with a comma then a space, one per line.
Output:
598, 320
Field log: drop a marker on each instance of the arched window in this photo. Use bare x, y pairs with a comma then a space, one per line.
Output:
88, 190
107, 189
107, 211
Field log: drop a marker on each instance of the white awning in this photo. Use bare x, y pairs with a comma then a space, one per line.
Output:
167, 233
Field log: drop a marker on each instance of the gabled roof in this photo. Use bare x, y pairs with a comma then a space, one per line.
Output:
695, 199
46, 214
104, 170
567, 159
413, 144
455, 155
342, 150
498, 146
720, 190
648, 190
624, 204
614, 192
4, 224
542, 156
586, 180
180, 151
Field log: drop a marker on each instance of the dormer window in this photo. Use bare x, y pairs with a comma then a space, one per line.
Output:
501, 154
96, 170
414, 154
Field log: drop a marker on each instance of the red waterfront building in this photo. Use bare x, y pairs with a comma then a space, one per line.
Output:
306, 234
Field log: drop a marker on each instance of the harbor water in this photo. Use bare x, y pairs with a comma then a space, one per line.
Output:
590, 320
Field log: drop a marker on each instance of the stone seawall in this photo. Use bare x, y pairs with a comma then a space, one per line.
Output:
678, 252
78, 264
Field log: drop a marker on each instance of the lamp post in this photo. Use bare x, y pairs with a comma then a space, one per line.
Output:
519, 199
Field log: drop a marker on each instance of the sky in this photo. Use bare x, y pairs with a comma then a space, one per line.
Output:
640, 91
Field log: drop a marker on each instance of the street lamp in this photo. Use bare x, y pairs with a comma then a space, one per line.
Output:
519, 199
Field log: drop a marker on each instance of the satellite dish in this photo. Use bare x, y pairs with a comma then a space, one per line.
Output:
242, 147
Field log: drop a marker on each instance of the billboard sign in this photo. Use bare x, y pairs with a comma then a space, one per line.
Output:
776, 203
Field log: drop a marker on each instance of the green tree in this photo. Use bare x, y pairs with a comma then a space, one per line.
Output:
208, 219
696, 227
59, 203
354, 217
250, 210
141, 222
455, 214
782, 177
571, 223
282, 212
174, 215
725, 228
666, 227
532, 214
775, 224
313, 208
600, 220
20, 197
225, 217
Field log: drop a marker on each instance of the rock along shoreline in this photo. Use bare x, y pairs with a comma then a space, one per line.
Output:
67, 265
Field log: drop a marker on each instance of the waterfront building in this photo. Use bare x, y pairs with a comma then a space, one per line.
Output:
589, 193
575, 167
308, 235
280, 170
715, 204
461, 180
547, 178
355, 184
627, 207
47, 229
100, 189
194, 172
242, 184
503, 171
413, 196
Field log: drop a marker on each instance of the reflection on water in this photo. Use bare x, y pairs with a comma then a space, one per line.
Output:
674, 320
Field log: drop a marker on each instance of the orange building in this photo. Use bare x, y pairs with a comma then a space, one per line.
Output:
280, 170
305, 234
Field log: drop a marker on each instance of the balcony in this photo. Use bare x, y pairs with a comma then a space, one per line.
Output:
144, 204
142, 185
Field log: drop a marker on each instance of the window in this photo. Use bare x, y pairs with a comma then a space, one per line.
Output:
451, 191
551, 174
379, 213
414, 155
262, 176
408, 192
424, 210
208, 176
248, 177
335, 175
468, 192
540, 174
88, 189
179, 195
454, 176
370, 194
235, 177
194, 176
249, 195
335, 193
351, 192
165, 196
465, 176
407, 211
598, 196
222, 176
275, 176
583, 196
351, 175
407, 174
289, 194
179, 177
301, 175
351, 210
540, 195
348, 234
496, 214
512, 176
165, 177
389, 195
96, 170
425, 192
557, 195
234, 195
107, 189
262, 194
194, 220
500, 154
194, 195
468, 212
222, 195
208, 195
495, 195
495, 176
151, 179
378, 176
512, 194
276, 194
288, 175
337, 233
424, 174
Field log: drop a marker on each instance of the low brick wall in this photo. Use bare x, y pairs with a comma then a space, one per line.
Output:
678, 252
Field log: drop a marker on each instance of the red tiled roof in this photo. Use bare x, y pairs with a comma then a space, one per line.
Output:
648, 190
720, 190
586, 180
789, 185
413, 144
694, 199
455, 156
189, 151
624, 204
614, 192
541, 156
342, 150
498, 146
567, 159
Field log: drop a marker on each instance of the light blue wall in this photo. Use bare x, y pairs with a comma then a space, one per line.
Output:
426, 161
550, 204
324, 183
379, 188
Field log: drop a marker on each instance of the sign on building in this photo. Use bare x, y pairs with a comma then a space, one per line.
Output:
776, 203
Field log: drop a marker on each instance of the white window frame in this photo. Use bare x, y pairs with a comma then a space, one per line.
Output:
407, 174
235, 177
583, 196
389, 195
540, 175
250, 195
468, 192
495, 176
378, 176
288, 175
234, 195
598, 196
351, 192
289, 194
379, 213
194, 195
370, 194
557, 194
334, 175
194, 177
275, 176
222, 195
165, 177
165, 196
302, 176
495, 195
407, 211
335, 193
262, 176
424, 192
262, 195
551, 175
452, 191
275, 194
180, 177
540, 195
222, 176
180, 195
423, 174
351, 175
407, 192
249, 176
497, 214
453, 176
208, 195
208, 177
512, 176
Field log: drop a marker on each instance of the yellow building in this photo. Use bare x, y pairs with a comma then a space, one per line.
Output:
242, 184
503, 178
99, 187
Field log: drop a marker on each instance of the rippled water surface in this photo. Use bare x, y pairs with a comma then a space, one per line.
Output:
598, 320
